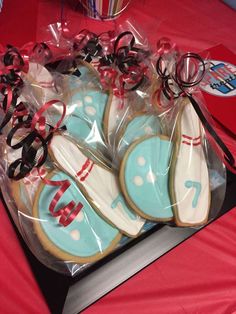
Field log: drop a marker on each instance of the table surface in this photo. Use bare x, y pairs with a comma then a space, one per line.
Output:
199, 276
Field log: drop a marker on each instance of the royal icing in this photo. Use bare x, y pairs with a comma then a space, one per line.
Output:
80, 129
42, 83
139, 126
86, 101
190, 186
145, 171
87, 236
113, 117
101, 185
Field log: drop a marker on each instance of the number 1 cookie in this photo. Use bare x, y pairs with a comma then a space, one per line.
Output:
189, 178
144, 176
98, 183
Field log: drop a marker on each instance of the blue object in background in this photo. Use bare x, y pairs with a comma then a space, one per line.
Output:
1, 2
231, 3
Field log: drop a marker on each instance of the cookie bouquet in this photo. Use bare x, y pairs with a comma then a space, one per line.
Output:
98, 146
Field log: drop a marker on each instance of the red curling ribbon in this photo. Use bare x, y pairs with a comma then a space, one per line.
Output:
68, 212
20, 112
160, 106
108, 77
164, 45
81, 40
35, 174
39, 120
9, 95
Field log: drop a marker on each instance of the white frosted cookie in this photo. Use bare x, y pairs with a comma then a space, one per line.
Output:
113, 117
41, 82
99, 184
189, 178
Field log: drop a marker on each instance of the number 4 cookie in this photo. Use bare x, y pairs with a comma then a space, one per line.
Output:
189, 178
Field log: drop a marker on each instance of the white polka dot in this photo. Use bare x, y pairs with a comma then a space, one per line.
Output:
151, 177
75, 235
148, 130
88, 99
141, 161
91, 111
80, 216
138, 181
91, 84
79, 103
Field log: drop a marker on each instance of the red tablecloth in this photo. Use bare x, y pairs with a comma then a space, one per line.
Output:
200, 275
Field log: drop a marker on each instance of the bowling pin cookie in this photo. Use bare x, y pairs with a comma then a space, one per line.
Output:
139, 125
98, 183
41, 82
113, 115
86, 239
189, 178
144, 174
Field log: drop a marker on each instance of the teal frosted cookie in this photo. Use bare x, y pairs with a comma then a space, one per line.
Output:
87, 101
80, 129
144, 176
86, 75
137, 127
86, 239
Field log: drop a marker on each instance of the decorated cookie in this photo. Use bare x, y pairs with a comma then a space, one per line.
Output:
113, 115
42, 84
139, 125
189, 178
79, 129
87, 101
86, 239
24, 190
98, 183
144, 177
88, 77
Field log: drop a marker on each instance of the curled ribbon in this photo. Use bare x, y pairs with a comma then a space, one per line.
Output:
68, 212
34, 144
179, 84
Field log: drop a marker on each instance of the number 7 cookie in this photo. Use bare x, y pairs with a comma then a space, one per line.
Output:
189, 178
97, 182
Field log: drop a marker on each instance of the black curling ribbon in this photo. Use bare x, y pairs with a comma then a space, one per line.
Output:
34, 150
182, 84
11, 82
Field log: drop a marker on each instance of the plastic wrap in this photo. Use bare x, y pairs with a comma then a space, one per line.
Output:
101, 141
